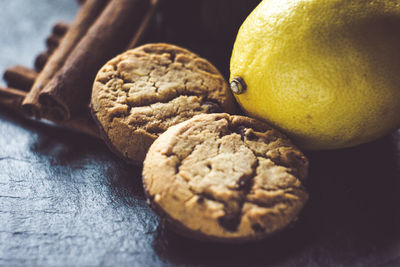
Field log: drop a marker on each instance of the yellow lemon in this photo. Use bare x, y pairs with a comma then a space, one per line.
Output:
326, 72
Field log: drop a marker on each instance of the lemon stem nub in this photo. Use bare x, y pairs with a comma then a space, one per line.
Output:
238, 86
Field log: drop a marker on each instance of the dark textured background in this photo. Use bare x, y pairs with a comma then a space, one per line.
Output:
65, 200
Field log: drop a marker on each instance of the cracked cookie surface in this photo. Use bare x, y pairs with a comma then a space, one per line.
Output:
141, 93
225, 178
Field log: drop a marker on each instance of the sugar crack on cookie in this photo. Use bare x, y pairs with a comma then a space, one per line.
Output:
141, 93
225, 178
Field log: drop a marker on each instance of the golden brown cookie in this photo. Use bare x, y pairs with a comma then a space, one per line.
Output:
225, 178
141, 93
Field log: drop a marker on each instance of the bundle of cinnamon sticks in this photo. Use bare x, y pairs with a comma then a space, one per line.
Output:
59, 87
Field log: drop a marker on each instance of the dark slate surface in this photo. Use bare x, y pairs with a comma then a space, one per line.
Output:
65, 200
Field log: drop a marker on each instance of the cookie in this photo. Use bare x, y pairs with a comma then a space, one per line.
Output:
225, 178
141, 93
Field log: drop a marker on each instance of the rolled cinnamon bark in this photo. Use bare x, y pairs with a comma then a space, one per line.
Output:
20, 77
41, 60
11, 99
60, 28
12, 92
83, 20
52, 42
68, 92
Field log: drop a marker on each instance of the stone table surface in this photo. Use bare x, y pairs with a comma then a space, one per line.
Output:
65, 200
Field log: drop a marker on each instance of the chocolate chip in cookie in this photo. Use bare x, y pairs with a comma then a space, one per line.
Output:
141, 93
225, 178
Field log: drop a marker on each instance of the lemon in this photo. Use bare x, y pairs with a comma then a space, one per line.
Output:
326, 72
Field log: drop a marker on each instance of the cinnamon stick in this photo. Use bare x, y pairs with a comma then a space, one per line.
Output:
69, 90
60, 28
83, 20
58, 32
52, 42
20, 77
11, 98
41, 60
